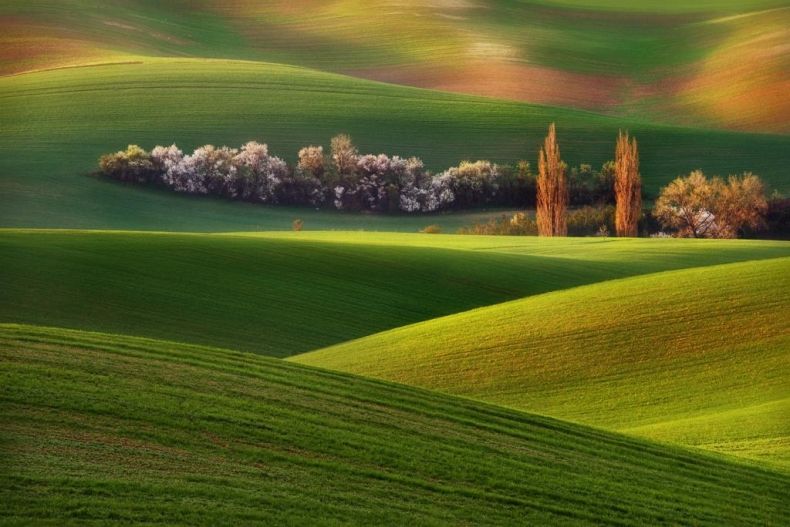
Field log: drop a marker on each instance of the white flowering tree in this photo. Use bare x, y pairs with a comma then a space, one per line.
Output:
166, 157
375, 182
258, 175
472, 183
420, 192
208, 170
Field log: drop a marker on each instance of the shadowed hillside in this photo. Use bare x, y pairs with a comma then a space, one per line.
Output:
280, 295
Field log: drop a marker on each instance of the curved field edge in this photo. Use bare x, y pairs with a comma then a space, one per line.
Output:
63, 120
676, 62
285, 294
103, 428
696, 356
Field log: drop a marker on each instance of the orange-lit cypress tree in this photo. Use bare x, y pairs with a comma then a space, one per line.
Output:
627, 186
552, 199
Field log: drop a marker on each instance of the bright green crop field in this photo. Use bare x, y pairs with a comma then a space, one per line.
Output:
633, 336
653, 355
285, 294
168, 359
101, 429
57, 123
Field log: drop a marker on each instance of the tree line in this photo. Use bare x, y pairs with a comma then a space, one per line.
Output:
347, 180
692, 206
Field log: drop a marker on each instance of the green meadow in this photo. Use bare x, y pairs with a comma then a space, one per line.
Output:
57, 123
669, 6
171, 359
136, 430
291, 293
708, 64
651, 355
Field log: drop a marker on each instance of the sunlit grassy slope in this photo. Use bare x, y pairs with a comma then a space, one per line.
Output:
663, 58
55, 125
698, 356
668, 6
285, 294
111, 429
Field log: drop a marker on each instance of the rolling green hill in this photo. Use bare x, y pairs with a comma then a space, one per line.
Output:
699, 356
103, 429
285, 294
429, 380
56, 123
712, 63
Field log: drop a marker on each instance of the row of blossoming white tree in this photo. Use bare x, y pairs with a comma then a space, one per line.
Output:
346, 180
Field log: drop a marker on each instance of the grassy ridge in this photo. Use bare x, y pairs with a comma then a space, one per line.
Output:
661, 59
698, 356
55, 125
286, 294
669, 6
99, 428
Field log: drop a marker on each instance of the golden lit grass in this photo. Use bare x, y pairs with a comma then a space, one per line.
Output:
745, 82
695, 356
685, 63
27, 46
508, 80
667, 6
109, 429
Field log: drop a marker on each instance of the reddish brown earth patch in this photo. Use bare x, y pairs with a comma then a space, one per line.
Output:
505, 80
27, 46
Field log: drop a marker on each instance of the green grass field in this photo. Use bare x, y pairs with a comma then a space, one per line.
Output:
695, 356
715, 63
103, 429
669, 6
295, 292
57, 123
429, 379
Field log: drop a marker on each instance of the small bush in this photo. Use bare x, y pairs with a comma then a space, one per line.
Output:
432, 229
311, 161
470, 183
519, 224
133, 165
297, 225
777, 216
589, 221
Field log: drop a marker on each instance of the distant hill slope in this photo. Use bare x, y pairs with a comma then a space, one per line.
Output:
713, 63
57, 123
698, 356
110, 429
280, 295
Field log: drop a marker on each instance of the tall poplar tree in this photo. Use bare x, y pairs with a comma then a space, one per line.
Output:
552, 198
627, 186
